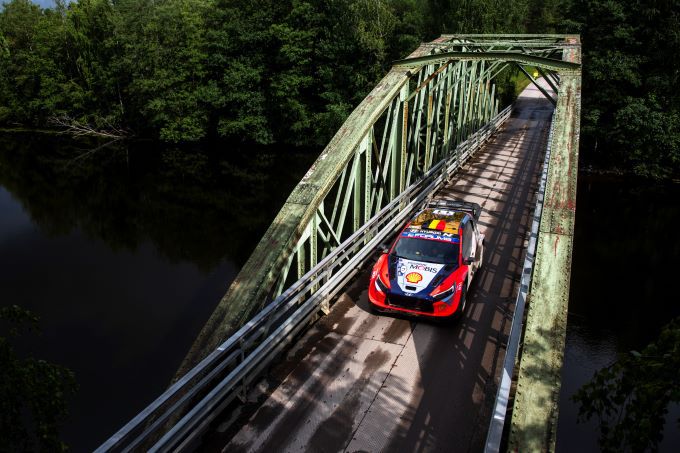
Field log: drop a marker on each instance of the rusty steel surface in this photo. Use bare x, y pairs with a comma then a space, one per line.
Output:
536, 61
535, 410
360, 382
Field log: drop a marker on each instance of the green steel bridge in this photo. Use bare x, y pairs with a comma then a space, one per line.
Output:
291, 346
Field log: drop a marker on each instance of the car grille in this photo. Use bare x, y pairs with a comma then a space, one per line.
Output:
410, 303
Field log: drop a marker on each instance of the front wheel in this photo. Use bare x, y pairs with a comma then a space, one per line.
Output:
463, 300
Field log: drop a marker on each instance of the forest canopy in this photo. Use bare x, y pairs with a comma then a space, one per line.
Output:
290, 71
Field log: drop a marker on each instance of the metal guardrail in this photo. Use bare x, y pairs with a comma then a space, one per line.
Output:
177, 418
495, 433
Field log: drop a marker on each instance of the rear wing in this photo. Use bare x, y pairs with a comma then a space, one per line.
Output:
471, 208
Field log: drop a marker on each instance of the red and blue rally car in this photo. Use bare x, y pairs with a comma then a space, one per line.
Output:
431, 264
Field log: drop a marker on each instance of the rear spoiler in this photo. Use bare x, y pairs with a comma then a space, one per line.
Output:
471, 208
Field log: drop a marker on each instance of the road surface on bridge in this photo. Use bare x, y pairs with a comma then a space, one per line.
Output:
361, 382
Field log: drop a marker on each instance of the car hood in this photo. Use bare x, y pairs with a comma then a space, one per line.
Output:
414, 276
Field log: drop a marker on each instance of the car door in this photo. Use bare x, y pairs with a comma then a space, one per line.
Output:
472, 247
468, 248
478, 245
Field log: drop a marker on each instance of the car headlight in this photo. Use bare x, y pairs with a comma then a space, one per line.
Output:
444, 294
380, 285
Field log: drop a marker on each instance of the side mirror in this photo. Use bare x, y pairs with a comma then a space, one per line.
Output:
383, 248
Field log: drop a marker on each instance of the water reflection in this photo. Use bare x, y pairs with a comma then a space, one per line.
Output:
124, 253
624, 263
192, 204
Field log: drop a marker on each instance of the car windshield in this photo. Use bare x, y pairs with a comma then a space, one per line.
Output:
427, 250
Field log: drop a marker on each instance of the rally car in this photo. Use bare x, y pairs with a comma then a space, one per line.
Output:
430, 266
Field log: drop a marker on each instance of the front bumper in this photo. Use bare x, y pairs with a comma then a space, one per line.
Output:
414, 306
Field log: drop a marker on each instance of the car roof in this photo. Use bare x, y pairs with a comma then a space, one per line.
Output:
436, 224
439, 219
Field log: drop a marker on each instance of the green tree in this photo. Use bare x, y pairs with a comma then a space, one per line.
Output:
20, 21
33, 392
165, 62
476, 16
630, 398
546, 16
86, 55
630, 105
240, 59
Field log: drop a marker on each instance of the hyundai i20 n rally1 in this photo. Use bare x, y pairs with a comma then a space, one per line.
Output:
431, 264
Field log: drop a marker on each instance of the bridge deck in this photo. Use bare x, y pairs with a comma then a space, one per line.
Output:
359, 382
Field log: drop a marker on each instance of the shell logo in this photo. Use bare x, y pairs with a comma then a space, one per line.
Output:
414, 277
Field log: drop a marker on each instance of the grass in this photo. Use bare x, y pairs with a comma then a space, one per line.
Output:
521, 81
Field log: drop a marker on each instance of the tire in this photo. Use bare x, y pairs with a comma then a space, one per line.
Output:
455, 318
463, 300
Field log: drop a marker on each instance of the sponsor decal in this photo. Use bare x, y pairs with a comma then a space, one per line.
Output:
422, 268
414, 277
415, 274
448, 237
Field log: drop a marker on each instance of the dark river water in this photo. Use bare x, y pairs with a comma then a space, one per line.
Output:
624, 270
124, 252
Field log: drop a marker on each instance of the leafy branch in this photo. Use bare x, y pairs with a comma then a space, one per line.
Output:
630, 398
33, 392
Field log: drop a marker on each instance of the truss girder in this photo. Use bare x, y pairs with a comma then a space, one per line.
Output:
516, 57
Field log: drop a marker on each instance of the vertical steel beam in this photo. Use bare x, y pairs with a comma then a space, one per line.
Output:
404, 146
340, 187
461, 102
400, 142
470, 100
428, 131
313, 241
395, 148
478, 95
357, 191
301, 260
368, 179
447, 113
